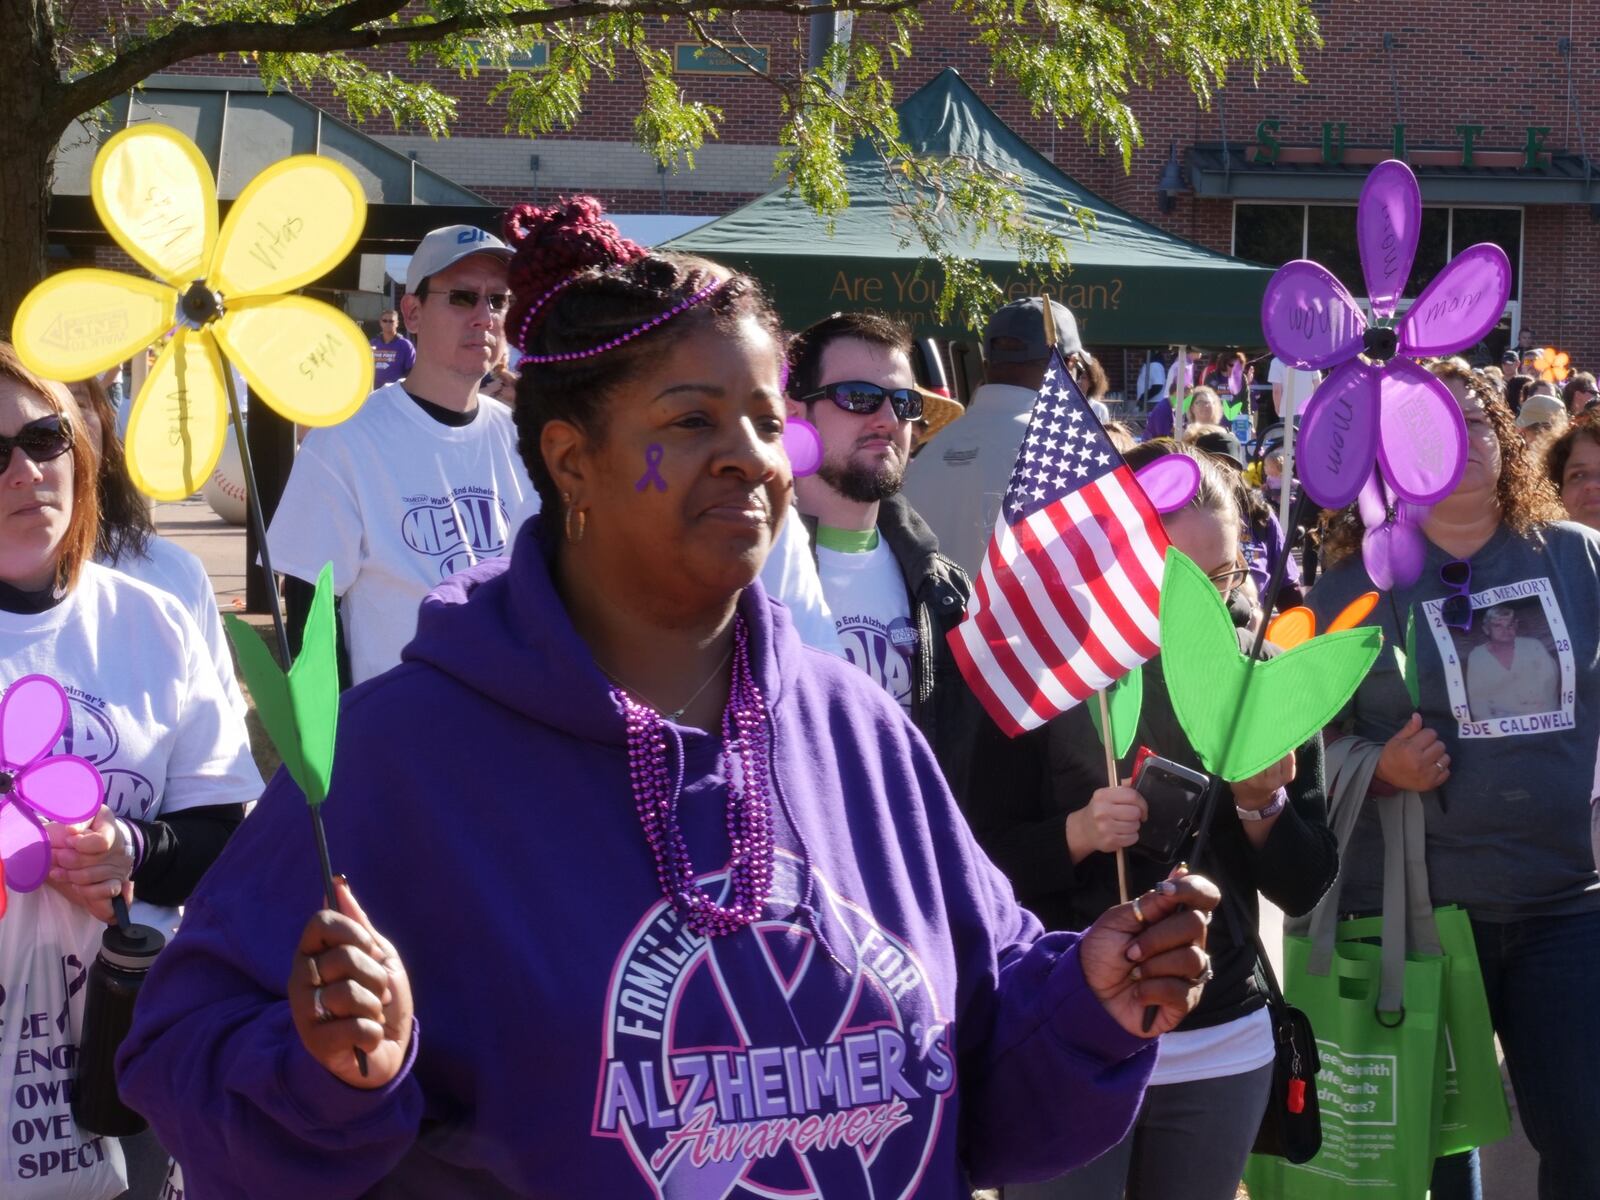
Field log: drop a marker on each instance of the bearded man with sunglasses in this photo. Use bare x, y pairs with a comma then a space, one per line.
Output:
893, 596
425, 479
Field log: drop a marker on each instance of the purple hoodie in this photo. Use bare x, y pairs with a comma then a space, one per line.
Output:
896, 1025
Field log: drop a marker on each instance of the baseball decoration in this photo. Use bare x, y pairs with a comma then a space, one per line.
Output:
227, 491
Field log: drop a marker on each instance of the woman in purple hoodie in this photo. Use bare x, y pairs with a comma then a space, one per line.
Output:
670, 905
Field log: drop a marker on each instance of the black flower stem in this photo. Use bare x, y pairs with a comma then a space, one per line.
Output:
259, 525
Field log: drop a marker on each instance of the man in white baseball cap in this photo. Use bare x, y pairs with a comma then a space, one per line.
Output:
425, 479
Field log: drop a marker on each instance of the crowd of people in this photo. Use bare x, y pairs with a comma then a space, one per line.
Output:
677, 856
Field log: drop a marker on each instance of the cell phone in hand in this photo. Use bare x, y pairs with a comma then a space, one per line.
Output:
1172, 794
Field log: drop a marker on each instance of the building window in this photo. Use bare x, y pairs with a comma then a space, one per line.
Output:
1502, 226
1272, 234
690, 58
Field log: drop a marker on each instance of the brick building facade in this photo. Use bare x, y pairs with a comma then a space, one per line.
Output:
1467, 82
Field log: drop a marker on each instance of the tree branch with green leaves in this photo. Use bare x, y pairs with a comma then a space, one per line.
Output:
1080, 63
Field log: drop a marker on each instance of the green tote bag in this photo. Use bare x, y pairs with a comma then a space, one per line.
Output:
1381, 1086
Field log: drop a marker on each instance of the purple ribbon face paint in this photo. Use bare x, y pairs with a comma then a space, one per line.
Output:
652, 461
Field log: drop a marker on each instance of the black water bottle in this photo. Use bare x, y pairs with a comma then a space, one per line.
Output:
126, 952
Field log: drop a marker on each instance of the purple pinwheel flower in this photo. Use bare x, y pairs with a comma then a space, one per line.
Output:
34, 782
1379, 411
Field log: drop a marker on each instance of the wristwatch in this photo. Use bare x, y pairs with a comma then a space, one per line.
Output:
1279, 801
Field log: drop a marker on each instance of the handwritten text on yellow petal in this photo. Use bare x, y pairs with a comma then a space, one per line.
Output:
293, 223
179, 420
154, 191
305, 358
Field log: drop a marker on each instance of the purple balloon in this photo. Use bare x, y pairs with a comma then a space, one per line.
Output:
1464, 302
1393, 555
1339, 435
1388, 221
1309, 318
1375, 502
1392, 549
1422, 437
1169, 482
803, 444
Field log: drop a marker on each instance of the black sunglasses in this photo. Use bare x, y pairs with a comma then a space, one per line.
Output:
466, 298
864, 399
42, 440
1457, 610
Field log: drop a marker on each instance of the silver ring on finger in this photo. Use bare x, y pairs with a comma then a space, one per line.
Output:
316, 975
1138, 913
1203, 978
318, 1009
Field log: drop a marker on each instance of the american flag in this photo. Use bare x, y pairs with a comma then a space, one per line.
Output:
1065, 602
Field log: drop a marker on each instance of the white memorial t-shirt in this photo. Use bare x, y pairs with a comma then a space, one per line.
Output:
169, 567
1297, 386
398, 502
147, 708
871, 609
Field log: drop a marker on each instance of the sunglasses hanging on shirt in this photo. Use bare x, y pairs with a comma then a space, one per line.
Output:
1457, 610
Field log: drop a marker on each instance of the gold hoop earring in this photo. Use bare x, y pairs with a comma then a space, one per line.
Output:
583, 521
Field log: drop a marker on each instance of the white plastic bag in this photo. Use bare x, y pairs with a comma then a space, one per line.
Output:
46, 946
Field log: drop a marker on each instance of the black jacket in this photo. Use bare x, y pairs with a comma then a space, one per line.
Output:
942, 706
1022, 790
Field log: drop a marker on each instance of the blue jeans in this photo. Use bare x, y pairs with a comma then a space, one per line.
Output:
1542, 976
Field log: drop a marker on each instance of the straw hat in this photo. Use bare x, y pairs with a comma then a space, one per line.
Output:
938, 410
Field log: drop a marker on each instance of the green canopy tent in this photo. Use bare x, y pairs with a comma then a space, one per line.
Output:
1129, 283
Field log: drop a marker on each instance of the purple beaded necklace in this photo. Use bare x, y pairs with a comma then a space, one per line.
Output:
749, 809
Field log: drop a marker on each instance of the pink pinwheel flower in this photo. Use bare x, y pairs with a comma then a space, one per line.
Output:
34, 782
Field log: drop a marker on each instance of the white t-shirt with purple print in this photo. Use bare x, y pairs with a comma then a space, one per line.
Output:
147, 708
399, 502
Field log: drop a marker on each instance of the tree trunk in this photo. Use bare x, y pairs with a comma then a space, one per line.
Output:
29, 130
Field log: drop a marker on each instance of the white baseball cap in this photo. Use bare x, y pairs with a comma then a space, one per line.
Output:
445, 247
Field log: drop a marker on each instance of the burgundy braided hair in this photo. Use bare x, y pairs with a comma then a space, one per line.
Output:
553, 246
578, 284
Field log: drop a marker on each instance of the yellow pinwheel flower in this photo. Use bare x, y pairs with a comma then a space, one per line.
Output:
224, 293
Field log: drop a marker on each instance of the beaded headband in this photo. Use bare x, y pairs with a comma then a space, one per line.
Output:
572, 355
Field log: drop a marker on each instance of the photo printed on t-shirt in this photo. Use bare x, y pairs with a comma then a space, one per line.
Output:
1511, 671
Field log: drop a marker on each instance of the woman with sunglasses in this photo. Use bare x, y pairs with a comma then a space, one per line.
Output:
661, 903
146, 706
1040, 806
1506, 794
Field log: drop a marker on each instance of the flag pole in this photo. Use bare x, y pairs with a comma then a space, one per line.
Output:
1106, 737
